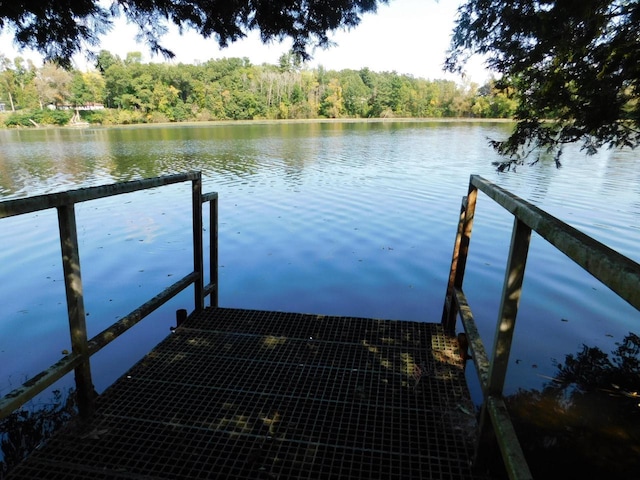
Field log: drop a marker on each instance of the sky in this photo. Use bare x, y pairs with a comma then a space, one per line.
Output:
406, 36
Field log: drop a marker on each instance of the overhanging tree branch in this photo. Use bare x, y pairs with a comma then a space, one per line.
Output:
61, 28
575, 67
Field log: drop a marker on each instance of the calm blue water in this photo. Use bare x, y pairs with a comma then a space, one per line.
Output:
332, 218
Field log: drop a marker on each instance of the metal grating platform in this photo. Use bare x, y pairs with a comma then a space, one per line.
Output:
245, 394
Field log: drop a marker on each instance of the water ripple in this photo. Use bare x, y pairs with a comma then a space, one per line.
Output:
335, 218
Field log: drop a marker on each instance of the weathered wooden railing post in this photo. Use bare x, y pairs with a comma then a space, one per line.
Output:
213, 249
198, 266
511, 292
459, 258
82, 350
211, 288
619, 273
75, 307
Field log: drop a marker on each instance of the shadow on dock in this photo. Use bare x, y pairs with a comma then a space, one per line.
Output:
248, 394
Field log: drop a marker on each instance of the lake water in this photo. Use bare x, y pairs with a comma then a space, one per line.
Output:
332, 218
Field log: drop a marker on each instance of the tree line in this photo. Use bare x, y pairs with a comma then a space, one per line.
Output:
574, 65
231, 89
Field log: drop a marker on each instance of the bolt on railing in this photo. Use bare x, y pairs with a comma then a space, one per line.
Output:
82, 348
619, 273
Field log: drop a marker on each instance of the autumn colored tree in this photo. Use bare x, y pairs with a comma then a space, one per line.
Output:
233, 89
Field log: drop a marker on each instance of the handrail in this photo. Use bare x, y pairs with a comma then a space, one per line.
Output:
619, 273
20, 206
82, 349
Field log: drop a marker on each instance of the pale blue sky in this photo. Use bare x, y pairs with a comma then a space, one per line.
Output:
408, 36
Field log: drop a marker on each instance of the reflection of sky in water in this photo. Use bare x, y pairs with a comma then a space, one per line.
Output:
352, 219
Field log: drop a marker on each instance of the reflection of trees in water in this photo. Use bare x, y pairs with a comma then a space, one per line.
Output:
585, 423
28, 428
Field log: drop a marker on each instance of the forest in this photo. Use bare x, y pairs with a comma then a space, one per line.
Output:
132, 91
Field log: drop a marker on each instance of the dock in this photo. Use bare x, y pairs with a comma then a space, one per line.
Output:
245, 394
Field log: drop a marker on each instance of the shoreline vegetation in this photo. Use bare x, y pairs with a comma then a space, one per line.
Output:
261, 122
128, 91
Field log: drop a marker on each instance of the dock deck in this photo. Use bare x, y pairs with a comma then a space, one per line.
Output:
245, 394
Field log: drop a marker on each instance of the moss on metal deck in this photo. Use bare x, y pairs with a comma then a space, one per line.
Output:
244, 394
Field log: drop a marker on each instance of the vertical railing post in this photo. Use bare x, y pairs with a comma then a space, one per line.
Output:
449, 312
75, 307
511, 293
213, 249
459, 257
197, 242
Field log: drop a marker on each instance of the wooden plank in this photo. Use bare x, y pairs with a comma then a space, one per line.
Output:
20, 206
449, 312
32, 387
467, 228
213, 250
198, 266
511, 292
75, 307
480, 357
459, 257
209, 197
118, 328
512, 454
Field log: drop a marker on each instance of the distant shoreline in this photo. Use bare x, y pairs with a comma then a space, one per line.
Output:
271, 122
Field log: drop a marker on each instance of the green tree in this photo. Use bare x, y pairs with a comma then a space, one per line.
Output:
575, 63
332, 105
290, 62
105, 59
117, 79
94, 87
307, 96
463, 99
86, 88
179, 77
492, 101
166, 100
16, 83
78, 90
355, 93
142, 91
233, 88
423, 99
445, 94
25, 73
381, 95
7, 82
133, 58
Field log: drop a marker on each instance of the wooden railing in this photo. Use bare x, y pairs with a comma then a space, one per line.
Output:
619, 273
82, 348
